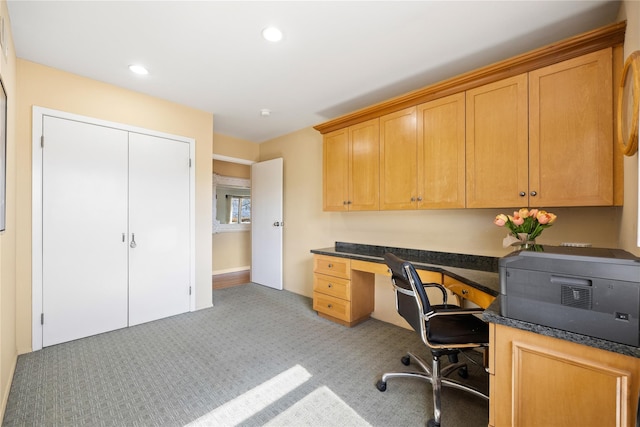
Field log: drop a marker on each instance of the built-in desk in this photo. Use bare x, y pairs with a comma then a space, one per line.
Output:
343, 282
539, 376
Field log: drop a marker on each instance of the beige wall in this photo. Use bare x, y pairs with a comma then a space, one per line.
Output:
51, 88
630, 10
229, 146
8, 346
231, 251
235, 170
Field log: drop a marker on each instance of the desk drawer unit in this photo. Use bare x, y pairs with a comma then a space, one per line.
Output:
341, 294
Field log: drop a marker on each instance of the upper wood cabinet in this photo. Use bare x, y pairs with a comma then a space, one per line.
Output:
351, 168
497, 144
532, 130
571, 132
335, 170
441, 153
398, 160
422, 156
550, 145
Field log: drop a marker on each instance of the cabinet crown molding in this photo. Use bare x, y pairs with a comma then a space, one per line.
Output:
591, 41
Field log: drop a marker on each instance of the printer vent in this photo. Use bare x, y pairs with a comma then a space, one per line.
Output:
573, 296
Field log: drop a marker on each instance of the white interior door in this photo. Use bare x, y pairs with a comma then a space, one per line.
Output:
266, 223
159, 244
84, 226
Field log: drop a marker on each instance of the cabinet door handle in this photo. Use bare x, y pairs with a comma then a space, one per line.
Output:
419, 199
522, 194
133, 243
413, 199
534, 193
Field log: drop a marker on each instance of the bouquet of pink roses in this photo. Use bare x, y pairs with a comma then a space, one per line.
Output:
525, 224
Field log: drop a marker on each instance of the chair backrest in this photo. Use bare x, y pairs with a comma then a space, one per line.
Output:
405, 276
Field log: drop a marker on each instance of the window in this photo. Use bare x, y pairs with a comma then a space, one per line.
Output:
239, 209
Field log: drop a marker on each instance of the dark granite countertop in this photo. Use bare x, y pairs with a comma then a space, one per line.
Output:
481, 272
492, 315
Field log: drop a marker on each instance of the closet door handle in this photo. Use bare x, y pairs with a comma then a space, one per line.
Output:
133, 244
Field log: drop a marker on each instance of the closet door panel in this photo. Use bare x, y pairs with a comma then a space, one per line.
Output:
84, 266
159, 228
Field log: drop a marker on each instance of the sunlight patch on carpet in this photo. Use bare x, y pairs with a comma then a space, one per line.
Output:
253, 401
322, 407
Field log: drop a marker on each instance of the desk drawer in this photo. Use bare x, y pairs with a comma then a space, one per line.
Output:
334, 286
467, 292
332, 266
332, 306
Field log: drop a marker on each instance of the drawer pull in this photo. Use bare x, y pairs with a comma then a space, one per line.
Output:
330, 266
329, 305
329, 285
465, 292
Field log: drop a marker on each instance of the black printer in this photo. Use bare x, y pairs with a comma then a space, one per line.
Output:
590, 291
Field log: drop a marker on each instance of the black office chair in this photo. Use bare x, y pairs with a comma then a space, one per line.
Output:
445, 329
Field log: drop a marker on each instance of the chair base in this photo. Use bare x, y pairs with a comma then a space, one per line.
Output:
436, 380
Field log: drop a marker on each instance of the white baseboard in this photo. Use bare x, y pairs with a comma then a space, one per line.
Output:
230, 270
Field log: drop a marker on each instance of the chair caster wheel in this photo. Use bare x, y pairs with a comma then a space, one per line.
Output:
463, 372
432, 423
381, 385
406, 360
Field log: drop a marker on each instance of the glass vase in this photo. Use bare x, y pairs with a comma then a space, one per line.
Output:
525, 242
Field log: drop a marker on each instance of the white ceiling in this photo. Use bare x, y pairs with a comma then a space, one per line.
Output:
335, 57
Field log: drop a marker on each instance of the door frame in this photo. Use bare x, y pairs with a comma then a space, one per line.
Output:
38, 114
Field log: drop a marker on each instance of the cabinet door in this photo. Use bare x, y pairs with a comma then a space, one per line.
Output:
544, 381
398, 160
441, 148
571, 132
364, 166
335, 171
497, 144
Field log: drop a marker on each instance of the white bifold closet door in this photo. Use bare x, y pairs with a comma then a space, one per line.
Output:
115, 229
159, 222
84, 223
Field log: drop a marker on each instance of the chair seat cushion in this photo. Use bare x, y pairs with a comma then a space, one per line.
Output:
457, 329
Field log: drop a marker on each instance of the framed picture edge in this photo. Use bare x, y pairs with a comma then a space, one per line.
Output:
3, 156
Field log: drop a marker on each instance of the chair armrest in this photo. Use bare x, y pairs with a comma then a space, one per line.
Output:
439, 286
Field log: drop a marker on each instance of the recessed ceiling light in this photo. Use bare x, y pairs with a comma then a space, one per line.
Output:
272, 34
265, 112
138, 69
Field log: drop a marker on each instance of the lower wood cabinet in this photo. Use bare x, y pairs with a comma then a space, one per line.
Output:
537, 380
340, 294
